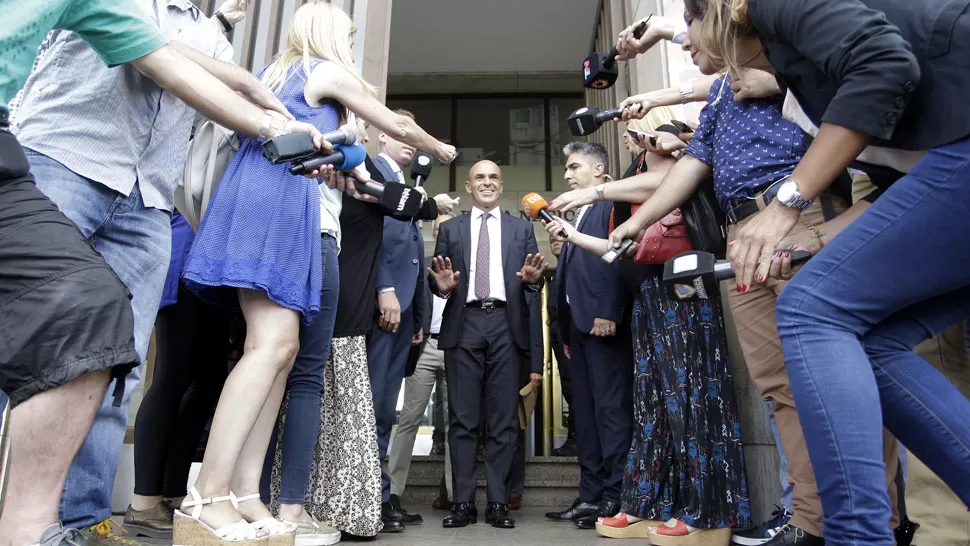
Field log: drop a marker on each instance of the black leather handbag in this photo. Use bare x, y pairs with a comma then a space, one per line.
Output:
705, 221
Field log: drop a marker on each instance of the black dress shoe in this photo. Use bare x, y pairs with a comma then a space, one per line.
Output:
794, 536
406, 518
577, 510
389, 513
437, 449
498, 515
462, 514
350, 537
905, 532
606, 509
390, 526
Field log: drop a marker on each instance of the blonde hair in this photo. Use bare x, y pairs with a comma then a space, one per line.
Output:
725, 24
657, 116
317, 30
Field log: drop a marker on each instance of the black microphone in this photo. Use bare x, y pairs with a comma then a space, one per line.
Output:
421, 165
588, 119
599, 70
400, 198
298, 146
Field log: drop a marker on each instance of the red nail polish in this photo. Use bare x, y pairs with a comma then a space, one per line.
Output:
738, 287
788, 254
761, 278
744, 288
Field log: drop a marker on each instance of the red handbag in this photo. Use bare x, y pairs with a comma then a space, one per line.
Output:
663, 240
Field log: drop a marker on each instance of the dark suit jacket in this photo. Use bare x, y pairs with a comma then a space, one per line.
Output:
424, 292
402, 258
523, 305
593, 286
894, 69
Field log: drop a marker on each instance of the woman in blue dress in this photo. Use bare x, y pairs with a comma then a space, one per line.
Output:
259, 247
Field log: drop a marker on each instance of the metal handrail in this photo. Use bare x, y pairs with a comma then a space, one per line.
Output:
547, 377
4, 450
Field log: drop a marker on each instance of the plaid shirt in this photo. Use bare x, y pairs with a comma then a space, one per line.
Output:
114, 125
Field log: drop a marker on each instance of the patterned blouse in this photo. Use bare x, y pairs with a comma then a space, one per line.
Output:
748, 145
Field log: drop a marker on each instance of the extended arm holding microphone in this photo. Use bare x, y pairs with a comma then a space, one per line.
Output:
329, 81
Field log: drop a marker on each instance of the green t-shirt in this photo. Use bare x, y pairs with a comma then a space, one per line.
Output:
118, 30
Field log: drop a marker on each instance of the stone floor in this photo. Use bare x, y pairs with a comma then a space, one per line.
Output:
531, 529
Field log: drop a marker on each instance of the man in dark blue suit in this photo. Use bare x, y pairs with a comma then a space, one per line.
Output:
400, 302
599, 350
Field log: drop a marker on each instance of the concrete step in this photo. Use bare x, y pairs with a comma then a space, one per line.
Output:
549, 481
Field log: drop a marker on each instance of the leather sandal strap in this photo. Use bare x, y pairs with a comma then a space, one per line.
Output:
241, 530
236, 500
198, 502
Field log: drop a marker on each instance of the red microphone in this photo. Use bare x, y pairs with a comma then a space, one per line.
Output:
536, 207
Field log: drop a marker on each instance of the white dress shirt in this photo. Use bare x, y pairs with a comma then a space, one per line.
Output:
496, 277
394, 167
437, 311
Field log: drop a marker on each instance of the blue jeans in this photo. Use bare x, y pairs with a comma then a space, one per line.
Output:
304, 386
786, 486
136, 243
849, 321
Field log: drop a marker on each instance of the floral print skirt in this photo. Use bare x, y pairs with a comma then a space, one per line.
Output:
686, 460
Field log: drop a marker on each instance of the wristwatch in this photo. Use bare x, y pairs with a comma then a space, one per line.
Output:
789, 196
224, 21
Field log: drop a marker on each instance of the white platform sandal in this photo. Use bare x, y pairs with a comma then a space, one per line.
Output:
281, 533
189, 530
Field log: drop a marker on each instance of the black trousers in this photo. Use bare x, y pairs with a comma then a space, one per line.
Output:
487, 366
191, 366
603, 405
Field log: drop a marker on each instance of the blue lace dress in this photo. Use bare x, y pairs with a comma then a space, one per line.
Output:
262, 228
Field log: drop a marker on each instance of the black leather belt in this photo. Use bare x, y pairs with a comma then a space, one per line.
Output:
739, 209
486, 304
433, 336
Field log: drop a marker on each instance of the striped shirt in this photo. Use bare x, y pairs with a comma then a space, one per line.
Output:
114, 125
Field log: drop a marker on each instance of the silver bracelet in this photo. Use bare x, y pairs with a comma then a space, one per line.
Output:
265, 126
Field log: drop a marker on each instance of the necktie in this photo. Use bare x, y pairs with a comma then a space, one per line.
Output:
481, 260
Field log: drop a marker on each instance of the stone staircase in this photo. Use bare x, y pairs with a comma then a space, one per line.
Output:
549, 481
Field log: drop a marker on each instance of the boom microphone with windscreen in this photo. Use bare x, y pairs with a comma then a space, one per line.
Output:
343, 158
299, 146
536, 207
421, 165
600, 71
588, 119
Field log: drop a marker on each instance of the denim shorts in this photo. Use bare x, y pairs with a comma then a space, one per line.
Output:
63, 311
